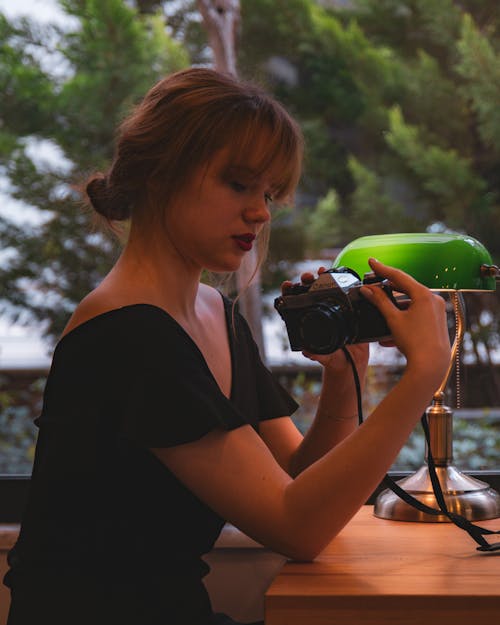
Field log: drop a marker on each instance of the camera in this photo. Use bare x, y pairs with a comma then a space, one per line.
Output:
331, 312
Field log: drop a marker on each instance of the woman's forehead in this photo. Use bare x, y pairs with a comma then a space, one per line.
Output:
252, 162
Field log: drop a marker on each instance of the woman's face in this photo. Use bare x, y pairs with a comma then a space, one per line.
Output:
213, 223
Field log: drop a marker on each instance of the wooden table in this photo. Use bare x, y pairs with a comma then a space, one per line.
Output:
379, 572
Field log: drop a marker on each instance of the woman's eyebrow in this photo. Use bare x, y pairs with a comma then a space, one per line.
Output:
241, 169
251, 173
254, 174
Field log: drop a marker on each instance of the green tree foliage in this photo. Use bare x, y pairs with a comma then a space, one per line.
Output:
398, 100
67, 89
430, 135
479, 66
324, 221
442, 173
372, 203
298, 50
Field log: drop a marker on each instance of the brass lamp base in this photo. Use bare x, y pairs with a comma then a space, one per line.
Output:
465, 495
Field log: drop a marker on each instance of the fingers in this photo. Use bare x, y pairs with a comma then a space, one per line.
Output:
336, 362
400, 280
419, 326
306, 279
378, 297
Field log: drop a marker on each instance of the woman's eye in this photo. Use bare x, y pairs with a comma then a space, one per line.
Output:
239, 187
268, 197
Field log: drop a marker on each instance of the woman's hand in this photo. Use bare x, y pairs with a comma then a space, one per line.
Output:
419, 331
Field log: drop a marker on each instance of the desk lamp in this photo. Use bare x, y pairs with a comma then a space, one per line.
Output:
445, 263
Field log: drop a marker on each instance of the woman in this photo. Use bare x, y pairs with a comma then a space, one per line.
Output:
159, 421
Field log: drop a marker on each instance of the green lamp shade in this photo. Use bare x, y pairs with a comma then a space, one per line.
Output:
444, 262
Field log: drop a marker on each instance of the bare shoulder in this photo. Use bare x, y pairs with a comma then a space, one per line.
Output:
95, 303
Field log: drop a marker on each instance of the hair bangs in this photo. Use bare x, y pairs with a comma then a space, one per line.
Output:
268, 142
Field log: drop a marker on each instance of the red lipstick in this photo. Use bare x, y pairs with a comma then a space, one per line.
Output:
244, 241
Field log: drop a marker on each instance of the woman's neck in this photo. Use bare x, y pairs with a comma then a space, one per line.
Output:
152, 270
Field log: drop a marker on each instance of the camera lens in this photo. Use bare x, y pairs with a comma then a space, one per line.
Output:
323, 329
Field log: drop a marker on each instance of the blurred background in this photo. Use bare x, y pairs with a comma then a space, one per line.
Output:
399, 101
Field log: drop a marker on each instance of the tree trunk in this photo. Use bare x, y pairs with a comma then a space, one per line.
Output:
222, 19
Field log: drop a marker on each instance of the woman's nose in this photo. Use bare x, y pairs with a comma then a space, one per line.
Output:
257, 211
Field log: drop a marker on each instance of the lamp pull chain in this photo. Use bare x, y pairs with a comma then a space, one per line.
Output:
458, 399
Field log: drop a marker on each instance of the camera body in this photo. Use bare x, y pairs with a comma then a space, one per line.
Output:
331, 312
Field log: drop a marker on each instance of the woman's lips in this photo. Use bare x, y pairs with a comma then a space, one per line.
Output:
244, 241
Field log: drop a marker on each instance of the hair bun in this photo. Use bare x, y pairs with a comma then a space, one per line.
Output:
108, 204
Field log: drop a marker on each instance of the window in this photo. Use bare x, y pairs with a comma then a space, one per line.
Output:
401, 135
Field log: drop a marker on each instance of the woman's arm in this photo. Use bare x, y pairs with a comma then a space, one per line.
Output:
336, 415
236, 474
337, 412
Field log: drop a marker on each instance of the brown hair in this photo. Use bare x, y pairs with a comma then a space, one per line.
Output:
178, 126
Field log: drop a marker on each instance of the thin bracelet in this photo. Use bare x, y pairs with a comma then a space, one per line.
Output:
337, 418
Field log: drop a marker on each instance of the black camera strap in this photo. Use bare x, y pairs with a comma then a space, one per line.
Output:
476, 532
